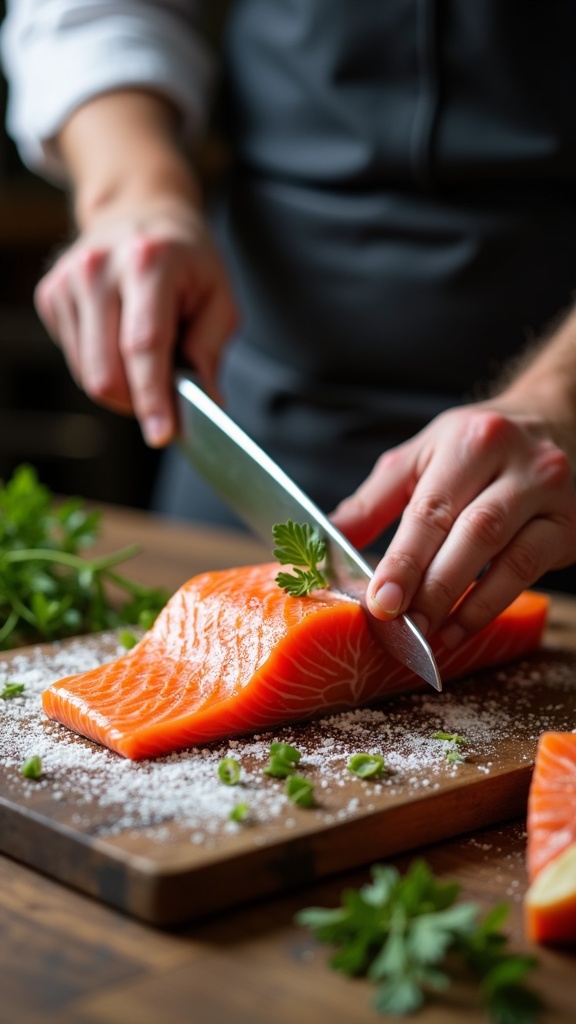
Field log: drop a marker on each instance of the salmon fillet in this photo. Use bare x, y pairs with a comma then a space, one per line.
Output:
232, 653
551, 819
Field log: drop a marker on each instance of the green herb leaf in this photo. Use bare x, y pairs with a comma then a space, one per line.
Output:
300, 791
48, 589
240, 812
407, 933
11, 690
229, 771
301, 546
367, 766
32, 768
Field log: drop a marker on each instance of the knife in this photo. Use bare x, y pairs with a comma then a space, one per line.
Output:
262, 494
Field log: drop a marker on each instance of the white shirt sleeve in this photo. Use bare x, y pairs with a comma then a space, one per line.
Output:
57, 54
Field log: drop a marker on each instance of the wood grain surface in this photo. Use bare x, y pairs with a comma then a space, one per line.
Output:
71, 959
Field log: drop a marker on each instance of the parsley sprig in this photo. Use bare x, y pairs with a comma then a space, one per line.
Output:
48, 589
405, 933
301, 546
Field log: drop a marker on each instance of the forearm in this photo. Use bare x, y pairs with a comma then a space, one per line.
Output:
121, 149
544, 384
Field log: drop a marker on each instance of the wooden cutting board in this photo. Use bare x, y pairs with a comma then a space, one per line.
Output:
154, 839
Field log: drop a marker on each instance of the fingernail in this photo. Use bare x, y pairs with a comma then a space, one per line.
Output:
157, 431
452, 636
389, 597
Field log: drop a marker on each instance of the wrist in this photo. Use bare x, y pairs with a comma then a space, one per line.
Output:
164, 182
123, 152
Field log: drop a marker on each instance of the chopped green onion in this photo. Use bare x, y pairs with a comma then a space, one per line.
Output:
286, 751
300, 791
283, 760
11, 690
455, 757
240, 812
452, 736
279, 768
367, 766
128, 639
147, 617
32, 768
229, 771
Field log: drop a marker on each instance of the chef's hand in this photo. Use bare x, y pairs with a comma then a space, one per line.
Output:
485, 492
119, 299
143, 274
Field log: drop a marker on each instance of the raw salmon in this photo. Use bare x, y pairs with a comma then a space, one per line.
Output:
232, 653
551, 819
550, 903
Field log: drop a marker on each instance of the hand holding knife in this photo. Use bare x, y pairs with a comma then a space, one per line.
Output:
263, 495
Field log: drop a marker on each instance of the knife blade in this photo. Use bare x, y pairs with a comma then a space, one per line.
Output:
262, 494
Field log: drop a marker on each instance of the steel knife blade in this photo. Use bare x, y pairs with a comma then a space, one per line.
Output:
262, 494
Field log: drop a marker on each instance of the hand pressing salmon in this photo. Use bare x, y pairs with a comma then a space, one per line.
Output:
232, 653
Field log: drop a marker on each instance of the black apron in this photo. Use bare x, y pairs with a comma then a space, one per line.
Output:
400, 222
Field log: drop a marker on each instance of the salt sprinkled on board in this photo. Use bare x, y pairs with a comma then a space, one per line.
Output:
182, 792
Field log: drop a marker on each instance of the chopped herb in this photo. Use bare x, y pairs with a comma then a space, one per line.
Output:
301, 546
240, 812
32, 768
367, 766
406, 934
283, 760
451, 736
229, 771
128, 639
300, 791
455, 757
48, 590
286, 751
11, 690
452, 741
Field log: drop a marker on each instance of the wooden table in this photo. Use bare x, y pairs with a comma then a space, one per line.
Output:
71, 960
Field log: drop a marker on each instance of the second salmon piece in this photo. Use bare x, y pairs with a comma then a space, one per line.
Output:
232, 653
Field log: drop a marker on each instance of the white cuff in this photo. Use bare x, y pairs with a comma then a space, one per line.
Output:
58, 54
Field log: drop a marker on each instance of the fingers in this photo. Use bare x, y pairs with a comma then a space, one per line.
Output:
100, 368
57, 309
81, 312
541, 545
488, 493
115, 302
211, 324
148, 334
380, 499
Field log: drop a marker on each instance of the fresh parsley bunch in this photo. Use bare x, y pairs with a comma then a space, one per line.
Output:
47, 589
406, 933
